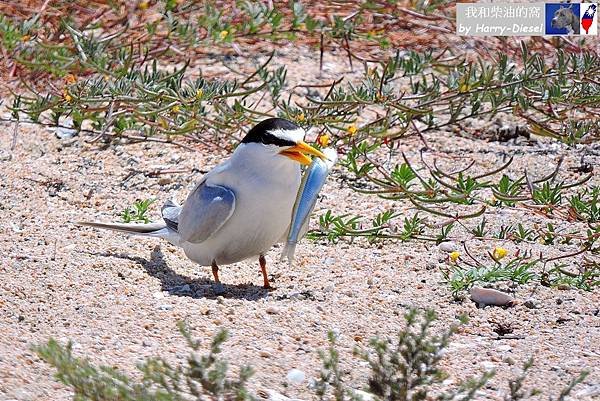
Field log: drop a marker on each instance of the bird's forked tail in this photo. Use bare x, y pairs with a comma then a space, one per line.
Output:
166, 229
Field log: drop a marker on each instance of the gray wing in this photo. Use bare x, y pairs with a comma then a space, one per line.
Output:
204, 212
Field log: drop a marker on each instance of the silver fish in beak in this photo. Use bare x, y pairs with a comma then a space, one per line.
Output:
308, 193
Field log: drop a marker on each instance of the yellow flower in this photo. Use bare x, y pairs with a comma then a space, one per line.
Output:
323, 140
70, 79
175, 109
143, 5
301, 117
68, 98
163, 123
25, 38
199, 94
352, 129
499, 253
454, 256
223, 35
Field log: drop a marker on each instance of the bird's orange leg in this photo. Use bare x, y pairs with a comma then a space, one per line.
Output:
263, 268
218, 287
215, 272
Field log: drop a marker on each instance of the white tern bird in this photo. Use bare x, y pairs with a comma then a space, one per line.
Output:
240, 208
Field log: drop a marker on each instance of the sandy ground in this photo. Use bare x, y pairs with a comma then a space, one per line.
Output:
118, 298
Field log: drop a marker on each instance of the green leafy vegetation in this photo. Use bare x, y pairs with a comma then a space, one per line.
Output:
463, 275
201, 376
403, 368
137, 212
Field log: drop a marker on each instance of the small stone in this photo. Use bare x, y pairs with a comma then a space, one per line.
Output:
298, 295
5, 156
16, 227
508, 360
487, 365
165, 307
448, 246
158, 295
531, 303
488, 296
295, 376
271, 310
147, 343
164, 180
65, 133
264, 354
563, 287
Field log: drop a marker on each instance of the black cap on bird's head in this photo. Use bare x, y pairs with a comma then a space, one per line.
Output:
285, 134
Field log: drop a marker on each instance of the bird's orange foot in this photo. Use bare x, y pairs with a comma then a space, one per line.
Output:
263, 268
218, 288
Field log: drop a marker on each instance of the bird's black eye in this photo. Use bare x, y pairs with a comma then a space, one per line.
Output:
261, 133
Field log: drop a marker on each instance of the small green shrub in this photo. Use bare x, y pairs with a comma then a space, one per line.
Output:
405, 368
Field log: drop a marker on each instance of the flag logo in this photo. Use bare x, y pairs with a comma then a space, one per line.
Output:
589, 18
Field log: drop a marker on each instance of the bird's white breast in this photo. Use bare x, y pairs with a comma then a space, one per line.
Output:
265, 191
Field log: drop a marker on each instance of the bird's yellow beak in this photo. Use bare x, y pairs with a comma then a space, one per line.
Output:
299, 152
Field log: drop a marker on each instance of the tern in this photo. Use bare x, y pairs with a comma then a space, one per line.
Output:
240, 208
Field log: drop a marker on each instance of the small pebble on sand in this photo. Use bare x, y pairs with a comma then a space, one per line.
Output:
264, 353
295, 376
488, 296
448, 246
272, 310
